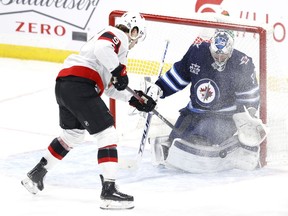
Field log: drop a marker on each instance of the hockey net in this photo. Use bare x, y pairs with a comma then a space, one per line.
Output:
256, 41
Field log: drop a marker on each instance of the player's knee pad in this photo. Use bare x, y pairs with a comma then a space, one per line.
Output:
106, 137
72, 137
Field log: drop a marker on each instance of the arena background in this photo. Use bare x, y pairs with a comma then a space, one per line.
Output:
50, 30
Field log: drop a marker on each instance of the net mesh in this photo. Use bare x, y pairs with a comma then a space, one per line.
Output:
145, 59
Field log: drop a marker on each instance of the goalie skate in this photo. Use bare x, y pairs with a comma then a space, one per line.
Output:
112, 199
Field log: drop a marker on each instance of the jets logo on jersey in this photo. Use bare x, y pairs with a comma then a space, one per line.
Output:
207, 92
194, 68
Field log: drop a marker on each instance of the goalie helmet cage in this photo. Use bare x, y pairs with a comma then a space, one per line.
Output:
182, 32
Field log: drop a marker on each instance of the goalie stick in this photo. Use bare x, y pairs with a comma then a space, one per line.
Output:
134, 164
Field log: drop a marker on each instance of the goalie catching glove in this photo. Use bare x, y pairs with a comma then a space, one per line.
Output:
146, 104
119, 77
251, 130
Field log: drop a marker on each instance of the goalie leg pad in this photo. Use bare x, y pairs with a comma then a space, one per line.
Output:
196, 158
159, 149
247, 158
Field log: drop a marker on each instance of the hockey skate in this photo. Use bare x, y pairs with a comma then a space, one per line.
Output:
112, 199
34, 181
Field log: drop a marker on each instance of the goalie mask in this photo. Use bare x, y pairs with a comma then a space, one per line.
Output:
221, 48
135, 23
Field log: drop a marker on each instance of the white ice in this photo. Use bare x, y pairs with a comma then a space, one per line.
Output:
29, 121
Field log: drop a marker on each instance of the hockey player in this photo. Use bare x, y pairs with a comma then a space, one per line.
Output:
218, 129
99, 67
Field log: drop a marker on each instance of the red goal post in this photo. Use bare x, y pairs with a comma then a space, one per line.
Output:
186, 23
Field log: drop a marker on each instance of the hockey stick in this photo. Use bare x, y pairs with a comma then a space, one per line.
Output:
149, 115
133, 164
166, 121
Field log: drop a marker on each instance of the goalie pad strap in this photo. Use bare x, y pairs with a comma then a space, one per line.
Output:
205, 153
250, 148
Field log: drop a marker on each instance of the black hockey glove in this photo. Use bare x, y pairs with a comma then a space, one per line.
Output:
119, 77
147, 104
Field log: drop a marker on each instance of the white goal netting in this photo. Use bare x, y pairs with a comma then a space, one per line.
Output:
255, 41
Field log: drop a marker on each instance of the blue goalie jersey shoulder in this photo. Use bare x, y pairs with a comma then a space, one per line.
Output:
216, 90
211, 89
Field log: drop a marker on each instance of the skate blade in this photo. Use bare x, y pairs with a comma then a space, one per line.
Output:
116, 205
30, 186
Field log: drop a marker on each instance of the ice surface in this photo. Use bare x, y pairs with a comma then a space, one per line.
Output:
29, 121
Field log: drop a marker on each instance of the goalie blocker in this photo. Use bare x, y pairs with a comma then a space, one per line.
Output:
241, 151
